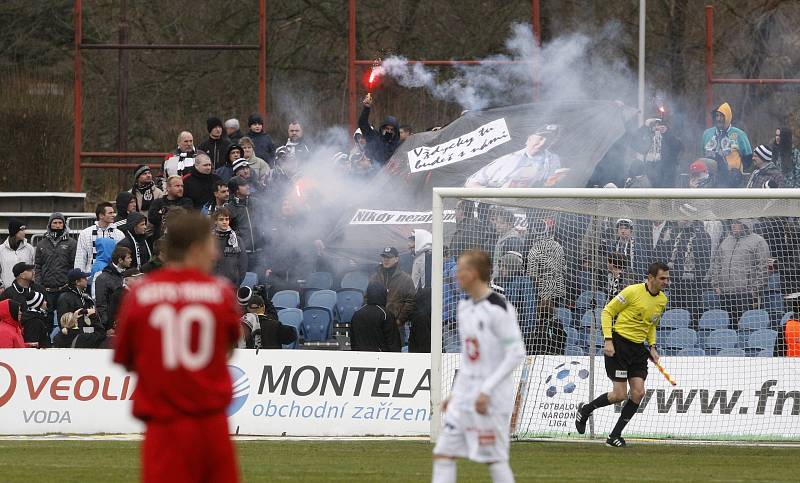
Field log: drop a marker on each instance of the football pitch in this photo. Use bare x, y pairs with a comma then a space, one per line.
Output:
389, 461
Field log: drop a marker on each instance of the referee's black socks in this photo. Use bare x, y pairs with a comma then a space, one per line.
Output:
628, 410
600, 402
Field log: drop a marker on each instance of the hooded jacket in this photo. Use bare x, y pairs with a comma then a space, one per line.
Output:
123, 198
730, 144
36, 329
400, 292
245, 223
105, 247
379, 148
225, 172
108, 281
232, 262
10, 257
767, 176
216, 149
139, 245
55, 255
10, 328
420, 274
740, 263
199, 187
373, 327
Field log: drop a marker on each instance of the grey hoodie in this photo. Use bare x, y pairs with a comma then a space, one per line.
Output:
55, 256
740, 264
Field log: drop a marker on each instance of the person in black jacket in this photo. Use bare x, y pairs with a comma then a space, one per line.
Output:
136, 239
81, 330
36, 326
125, 204
160, 207
268, 333
198, 183
55, 256
419, 338
383, 142
262, 142
216, 146
22, 285
373, 328
75, 296
109, 281
232, 262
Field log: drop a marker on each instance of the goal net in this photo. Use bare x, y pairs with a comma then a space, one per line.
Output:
559, 255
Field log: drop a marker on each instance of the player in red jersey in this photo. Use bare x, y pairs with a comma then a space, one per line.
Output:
176, 328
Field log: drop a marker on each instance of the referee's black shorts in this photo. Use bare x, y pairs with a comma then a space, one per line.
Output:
630, 359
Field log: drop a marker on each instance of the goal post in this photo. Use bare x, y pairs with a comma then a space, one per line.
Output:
560, 254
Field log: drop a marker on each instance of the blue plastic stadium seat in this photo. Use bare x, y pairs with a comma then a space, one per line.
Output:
731, 352
323, 298
751, 321
584, 301
773, 303
286, 299
711, 320
679, 339
786, 317
564, 316
720, 339
348, 301
317, 323
586, 325
357, 280
691, 352
676, 319
774, 282
761, 342
711, 301
320, 281
293, 318
250, 280
574, 351
573, 338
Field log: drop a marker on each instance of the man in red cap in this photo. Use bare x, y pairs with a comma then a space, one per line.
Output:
699, 177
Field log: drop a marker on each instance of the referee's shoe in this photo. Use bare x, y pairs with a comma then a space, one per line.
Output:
616, 441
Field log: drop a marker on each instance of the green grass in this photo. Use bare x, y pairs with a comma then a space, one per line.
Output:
391, 461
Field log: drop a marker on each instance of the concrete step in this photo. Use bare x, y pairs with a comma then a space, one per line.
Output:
42, 202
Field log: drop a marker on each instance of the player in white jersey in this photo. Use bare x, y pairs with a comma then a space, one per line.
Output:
477, 415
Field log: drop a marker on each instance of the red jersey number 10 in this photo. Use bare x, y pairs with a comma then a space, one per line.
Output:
176, 335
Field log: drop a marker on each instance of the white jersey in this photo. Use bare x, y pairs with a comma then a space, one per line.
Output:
491, 348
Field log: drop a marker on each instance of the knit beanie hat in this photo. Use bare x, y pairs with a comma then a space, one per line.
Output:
140, 170
239, 164
763, 152
34, 300
255, 119
15, 226
244, 294
232, 123
213, 122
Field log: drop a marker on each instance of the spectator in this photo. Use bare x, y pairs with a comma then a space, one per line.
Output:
144, 189
286, 171
766, 173
516, 287
419, 337
508, 238
380, 144
232, 130
225, 172
727, 145
661, 157
373, 328
243, 171
269, 333
136, 239
161, 207
221, 196
405, 131
10, 327
467, 235
108, 285
243, 216
786, 156
182, 158
618, 275
262, 144
689, 263
105, 250
699, 176
232, 262
75, 296
399, 286
159, 257
55, 256
637, 177
421, 263
74, 333
13, 251
86, 252
296, 145
22, 284
198, 184
125, 204
547, 268
260, 168
216, 146
291, 257
626, 243
739, 270
660, 241
36, 325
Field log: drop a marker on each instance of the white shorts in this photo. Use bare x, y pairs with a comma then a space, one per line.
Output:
467, 434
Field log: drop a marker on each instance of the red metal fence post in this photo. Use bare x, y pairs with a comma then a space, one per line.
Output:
76, 99
262, 57
352, 84
709, 63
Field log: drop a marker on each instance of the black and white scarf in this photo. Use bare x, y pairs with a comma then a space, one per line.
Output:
147, 196
108, 232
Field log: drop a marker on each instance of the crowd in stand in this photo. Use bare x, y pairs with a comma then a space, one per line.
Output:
541, 264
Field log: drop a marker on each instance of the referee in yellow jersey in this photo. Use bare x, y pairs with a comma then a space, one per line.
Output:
628, 320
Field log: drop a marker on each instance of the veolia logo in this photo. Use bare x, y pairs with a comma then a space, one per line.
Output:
12, 384
241, 390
